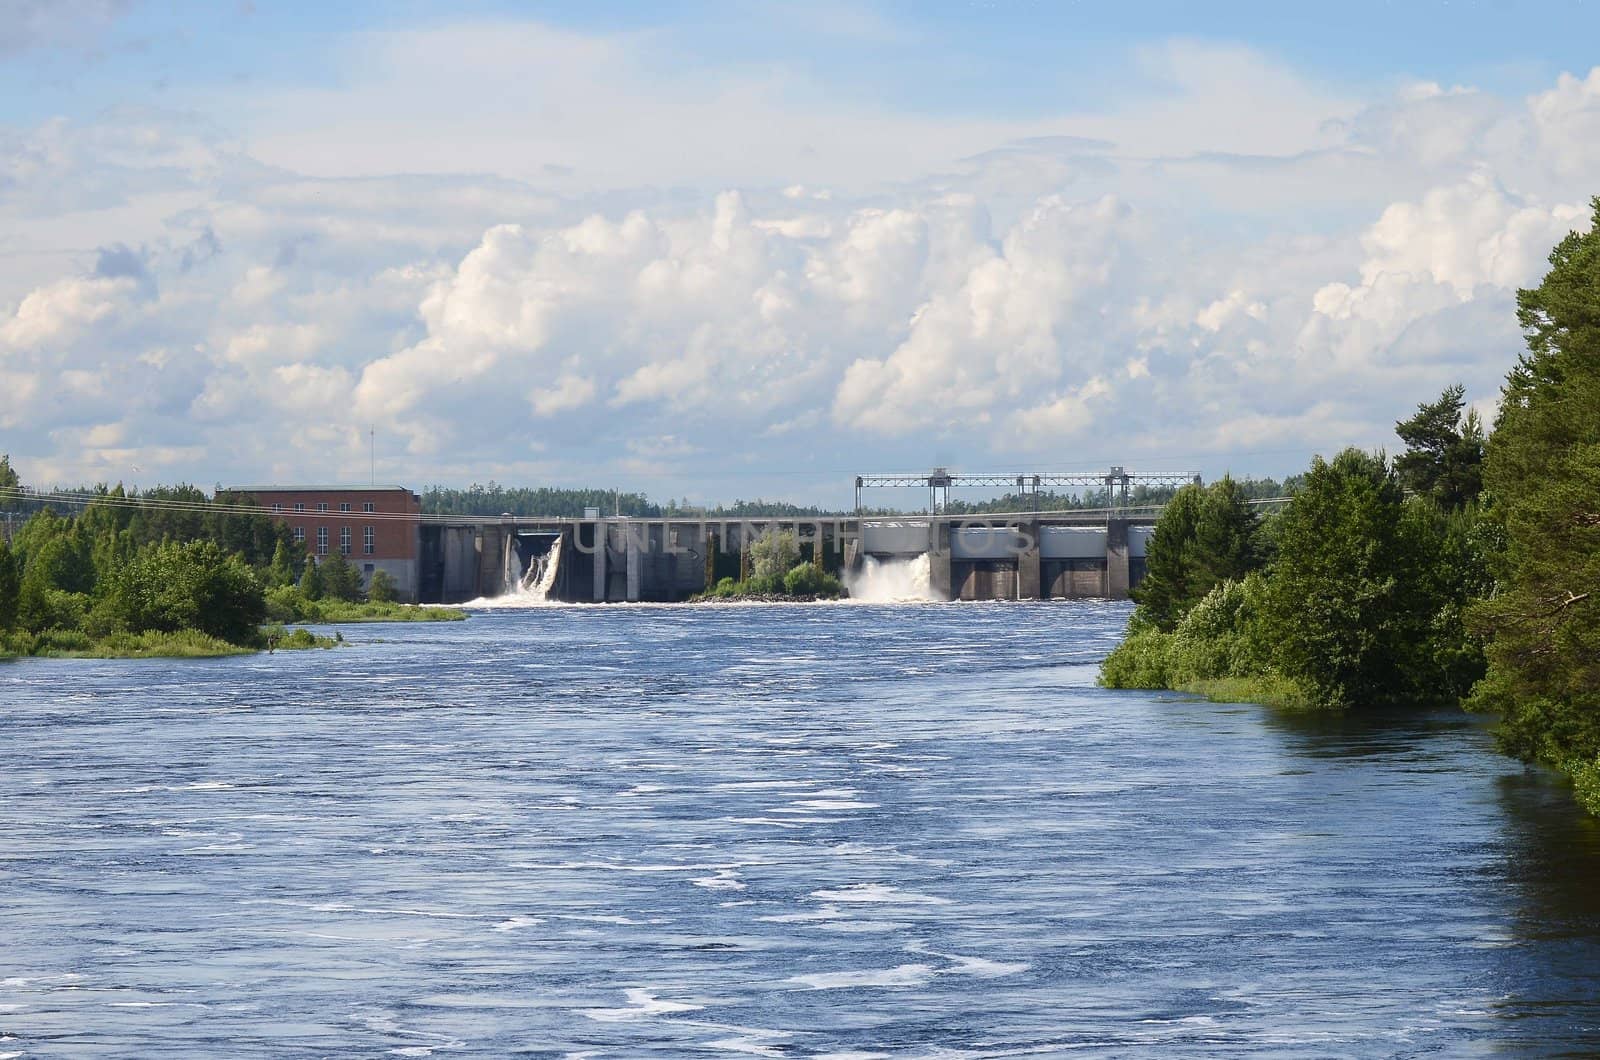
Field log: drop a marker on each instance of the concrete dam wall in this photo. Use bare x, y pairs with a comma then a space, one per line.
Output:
1024, 557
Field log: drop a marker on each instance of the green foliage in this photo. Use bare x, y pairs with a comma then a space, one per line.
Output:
1142, 660
10, 587
194, 586
808, 579
341, 580
1363, 603
1205, 536
1444, 451
381, 590
79, 644
1542, 470
279, 639
1222, 636
805, 581
494, 499
287, 604
1347, 606
8, 474
771, 557
312, 585
281, 571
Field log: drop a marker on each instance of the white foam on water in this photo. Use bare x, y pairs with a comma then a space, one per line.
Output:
762, 820
753, 1043
523, 589
984, 969
518, 922
892, 581
726, 880
877, 892
827, 912
642, 1004
862, 927
833, 804
904, 975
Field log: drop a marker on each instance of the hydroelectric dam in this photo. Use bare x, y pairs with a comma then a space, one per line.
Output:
1030, 555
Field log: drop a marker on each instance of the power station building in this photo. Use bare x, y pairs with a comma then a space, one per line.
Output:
373, 527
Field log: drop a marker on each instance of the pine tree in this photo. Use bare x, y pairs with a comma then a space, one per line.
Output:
281, 572
1348, 602
1166, 592
311, 583
1444, 451
1543, 471
340, 580
10, 587
1206, 535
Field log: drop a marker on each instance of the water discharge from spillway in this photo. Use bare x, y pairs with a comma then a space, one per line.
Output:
528, 587
892, 581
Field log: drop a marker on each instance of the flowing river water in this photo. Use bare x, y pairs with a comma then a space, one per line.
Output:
827, 831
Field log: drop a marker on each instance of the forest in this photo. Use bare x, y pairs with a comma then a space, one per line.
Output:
172, 571
1461, 571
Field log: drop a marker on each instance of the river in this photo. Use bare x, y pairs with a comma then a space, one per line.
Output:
825, 831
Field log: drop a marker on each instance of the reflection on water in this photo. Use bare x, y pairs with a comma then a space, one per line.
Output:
797, 832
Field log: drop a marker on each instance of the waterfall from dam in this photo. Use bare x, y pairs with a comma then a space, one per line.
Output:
522, 588
542, 577
892, 581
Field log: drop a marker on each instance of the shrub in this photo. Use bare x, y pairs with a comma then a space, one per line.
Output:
771, 556
808, 579
1142, 660
381, 589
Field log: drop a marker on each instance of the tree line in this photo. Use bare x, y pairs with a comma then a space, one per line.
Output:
495, 499
1464, 570
130, 564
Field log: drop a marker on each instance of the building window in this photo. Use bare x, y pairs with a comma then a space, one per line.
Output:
344, 506
322, 506
276, 508
322, 541
344, 540
299, 506
369, 540
300, 534
369, 507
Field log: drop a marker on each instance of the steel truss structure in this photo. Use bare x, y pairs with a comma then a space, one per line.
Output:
940, 480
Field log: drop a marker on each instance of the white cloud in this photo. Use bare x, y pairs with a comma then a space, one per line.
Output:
1224, 259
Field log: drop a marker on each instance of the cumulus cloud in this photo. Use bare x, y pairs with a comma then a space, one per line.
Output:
1157, 281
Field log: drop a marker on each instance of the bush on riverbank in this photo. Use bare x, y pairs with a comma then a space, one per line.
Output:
1361, 605
197, 578
802, 583
1478, 587
76, 644
288, 604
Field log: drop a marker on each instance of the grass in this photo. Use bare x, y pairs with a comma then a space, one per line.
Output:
1268, 690
183, 644
280, 639
74, 644
338, 612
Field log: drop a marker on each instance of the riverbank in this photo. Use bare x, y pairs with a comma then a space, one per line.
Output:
193, 644
341, 612
184, 644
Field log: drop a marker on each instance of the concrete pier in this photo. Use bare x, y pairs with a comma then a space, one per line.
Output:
1020, 556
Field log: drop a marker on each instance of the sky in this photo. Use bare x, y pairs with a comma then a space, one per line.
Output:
720, 251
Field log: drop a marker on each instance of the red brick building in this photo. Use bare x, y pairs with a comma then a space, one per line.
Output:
374, 527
